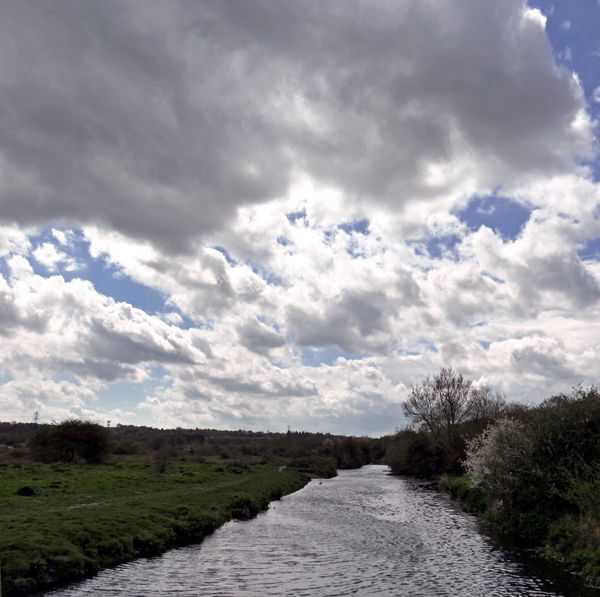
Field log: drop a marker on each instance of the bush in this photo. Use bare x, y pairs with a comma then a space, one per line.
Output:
69, 440
161, 461
315, 465
413, 453
461, 489
543, 469
244, 506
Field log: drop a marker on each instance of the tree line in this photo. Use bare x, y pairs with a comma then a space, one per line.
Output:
74, 440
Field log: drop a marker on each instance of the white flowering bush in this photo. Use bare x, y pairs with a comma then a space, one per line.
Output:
499, 462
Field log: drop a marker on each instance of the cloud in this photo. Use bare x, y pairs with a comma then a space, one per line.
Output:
51, 326
258, 337
48, 255
161, 119
327, 205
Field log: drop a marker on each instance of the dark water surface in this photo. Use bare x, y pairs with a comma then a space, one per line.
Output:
363, 533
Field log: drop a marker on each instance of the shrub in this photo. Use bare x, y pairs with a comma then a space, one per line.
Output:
500, 463
161, 461
69, 440
27, 491
315, 465
243, 506
414, 453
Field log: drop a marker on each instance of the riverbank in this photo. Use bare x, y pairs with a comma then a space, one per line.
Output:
571, 542
60, 522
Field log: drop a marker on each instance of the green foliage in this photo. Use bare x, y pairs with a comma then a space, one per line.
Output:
461, 489
69, 440
582, 488
415, 454
83, 519
562, 538
315, 465
244, 506
540, 476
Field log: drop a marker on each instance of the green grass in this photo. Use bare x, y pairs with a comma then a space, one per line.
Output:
59, 523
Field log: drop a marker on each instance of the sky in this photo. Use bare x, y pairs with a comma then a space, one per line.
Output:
247, 214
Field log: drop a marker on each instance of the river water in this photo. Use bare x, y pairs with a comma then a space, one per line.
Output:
362, 533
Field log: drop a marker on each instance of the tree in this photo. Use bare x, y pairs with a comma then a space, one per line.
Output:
69, 440
500, 462
444, 403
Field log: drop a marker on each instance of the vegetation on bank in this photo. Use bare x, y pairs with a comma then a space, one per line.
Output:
211, 445
76, 497
315, 465
64, 521
539, 477
534, 472
445, 412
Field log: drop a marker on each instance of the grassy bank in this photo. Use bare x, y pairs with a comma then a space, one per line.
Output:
61, 522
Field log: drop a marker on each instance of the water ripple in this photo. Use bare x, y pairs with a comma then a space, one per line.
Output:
363, 533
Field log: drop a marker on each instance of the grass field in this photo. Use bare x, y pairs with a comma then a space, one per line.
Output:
61, 522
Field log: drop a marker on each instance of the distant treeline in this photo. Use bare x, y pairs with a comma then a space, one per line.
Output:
26, 441
534, 471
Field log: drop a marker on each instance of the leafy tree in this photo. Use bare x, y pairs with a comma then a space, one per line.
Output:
69, 440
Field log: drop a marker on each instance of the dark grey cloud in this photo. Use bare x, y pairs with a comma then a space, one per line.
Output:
160, 118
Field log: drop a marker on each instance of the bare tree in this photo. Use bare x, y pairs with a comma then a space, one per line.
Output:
444, 402
440, 403
487, 404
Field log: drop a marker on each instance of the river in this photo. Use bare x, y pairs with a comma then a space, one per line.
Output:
362, 533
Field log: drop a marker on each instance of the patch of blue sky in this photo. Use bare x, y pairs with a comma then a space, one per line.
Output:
573, 29
360, 226
327, 356
485, 344
269, 323
66, 376
477, 324
443, 247
504, 216
294, 216
284, 242
573, 24
225, 254
187, 323
269, 277
127, 395
4, 269
6, 376
422, 346
494, 278
355, 250
107, 279
591, 250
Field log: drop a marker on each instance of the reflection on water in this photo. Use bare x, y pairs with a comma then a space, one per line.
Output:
362, 533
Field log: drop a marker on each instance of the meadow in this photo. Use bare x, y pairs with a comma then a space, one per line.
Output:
61, 522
